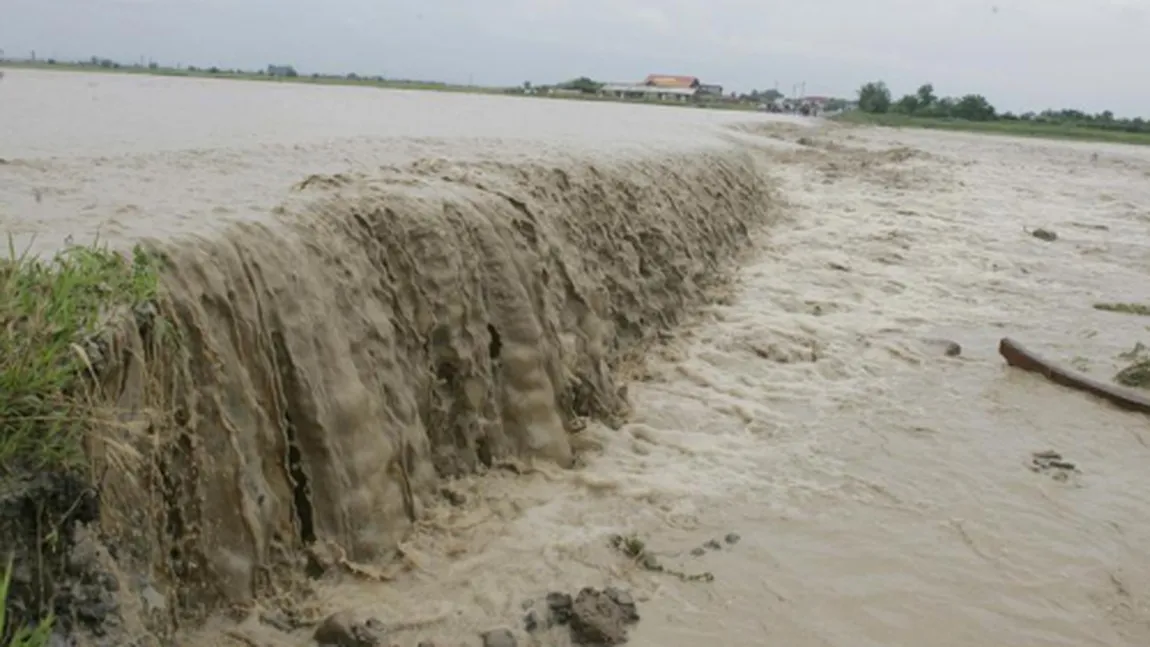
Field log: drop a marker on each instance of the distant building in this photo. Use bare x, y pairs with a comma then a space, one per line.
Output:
665, 87
672, 81
281, 70
643, 91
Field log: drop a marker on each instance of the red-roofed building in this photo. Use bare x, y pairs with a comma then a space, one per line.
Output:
672, 81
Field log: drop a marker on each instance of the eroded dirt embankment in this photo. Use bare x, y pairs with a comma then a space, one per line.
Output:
426, 321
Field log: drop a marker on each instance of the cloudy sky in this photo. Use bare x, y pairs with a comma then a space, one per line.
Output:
1022, 54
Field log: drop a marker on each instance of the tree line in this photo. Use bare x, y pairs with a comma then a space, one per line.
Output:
876, 98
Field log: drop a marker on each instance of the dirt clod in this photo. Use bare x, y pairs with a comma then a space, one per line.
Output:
597, 618
1052, 463
342, 629
559, 606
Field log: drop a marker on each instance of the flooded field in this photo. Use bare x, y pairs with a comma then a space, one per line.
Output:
800, 462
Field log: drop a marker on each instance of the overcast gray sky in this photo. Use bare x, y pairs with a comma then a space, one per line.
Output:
1022, 54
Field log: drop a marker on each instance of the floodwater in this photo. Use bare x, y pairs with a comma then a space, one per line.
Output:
881, 490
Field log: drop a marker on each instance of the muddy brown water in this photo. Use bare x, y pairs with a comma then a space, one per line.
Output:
880, 488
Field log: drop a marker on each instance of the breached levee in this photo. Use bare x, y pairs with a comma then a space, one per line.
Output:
397, 329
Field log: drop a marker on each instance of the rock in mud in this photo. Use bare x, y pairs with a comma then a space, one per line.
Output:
948, 347
732, 538
500, 637
601, 617
68, 576
343, 629
626, 603
559, 606
1044, 234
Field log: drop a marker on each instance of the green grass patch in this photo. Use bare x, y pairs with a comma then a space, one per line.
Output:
51, 311
1136, 375
1016, 128
1124, 308
1137, 372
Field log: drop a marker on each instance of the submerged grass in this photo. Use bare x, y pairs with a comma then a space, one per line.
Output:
1136, 375
1125, 308
50, 311
1137, 372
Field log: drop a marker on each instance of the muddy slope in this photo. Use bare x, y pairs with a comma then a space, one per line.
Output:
424, 322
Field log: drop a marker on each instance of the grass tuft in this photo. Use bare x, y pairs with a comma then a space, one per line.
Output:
37, 635
51, 313
1125, 308
1136, 375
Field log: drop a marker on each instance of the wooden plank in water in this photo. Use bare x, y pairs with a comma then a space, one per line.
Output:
1019, 356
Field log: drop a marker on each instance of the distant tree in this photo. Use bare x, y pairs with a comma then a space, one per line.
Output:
153, 65
874, 98
583, 84
213, 70
908, 105
973, 107
925, 95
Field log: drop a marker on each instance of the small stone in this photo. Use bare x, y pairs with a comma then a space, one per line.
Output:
732, 538
341, 629
500, 637
426, 643
949, 348
651, 563
713, 544
698, 551
1044, 234
531, 621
